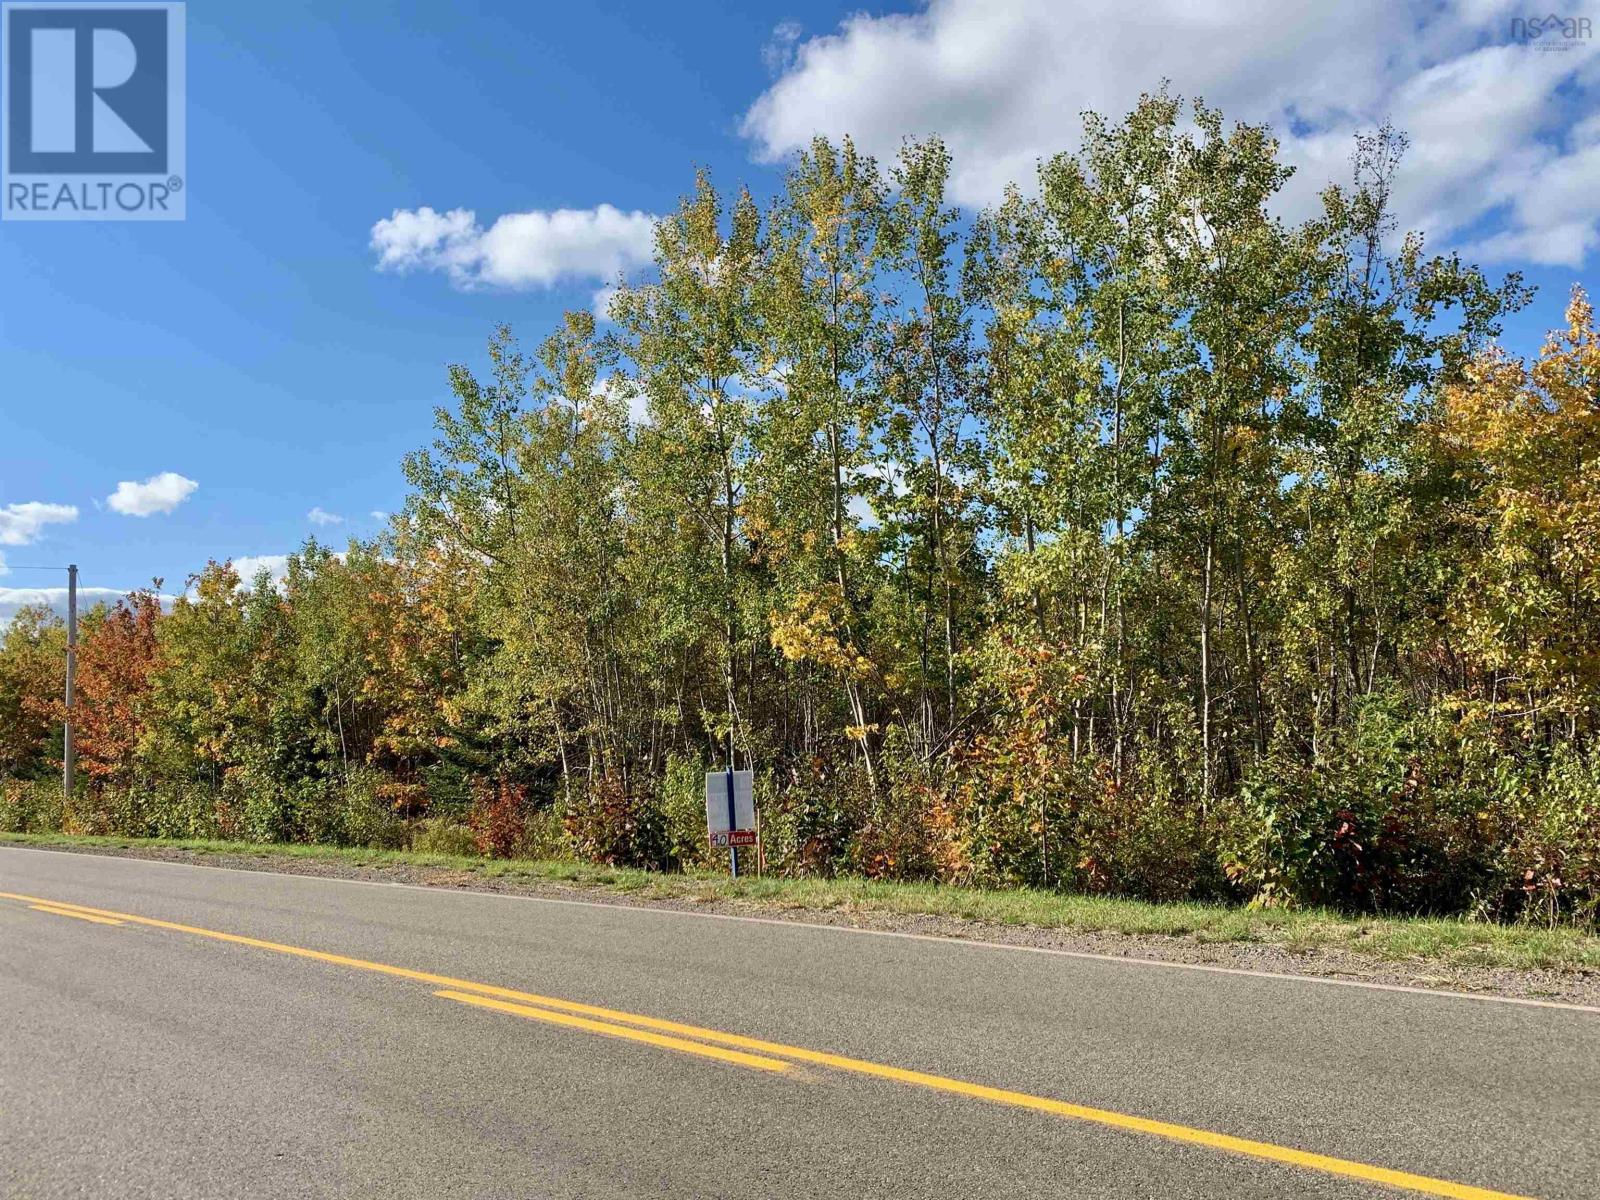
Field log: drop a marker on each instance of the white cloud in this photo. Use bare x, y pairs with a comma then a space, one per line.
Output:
250, 565
638, 407
778, 54
520, 250
55, 599
600, 302
378, 514
425, 238
321, 516
1554, 205
159, 494
21, 524
631, 394
1491, 121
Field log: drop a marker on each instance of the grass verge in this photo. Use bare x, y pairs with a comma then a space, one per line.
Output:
1445, 941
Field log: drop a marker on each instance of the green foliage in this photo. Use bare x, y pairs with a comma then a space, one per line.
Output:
366, 817
32, 676
1549, 867
1392, 819
30, 806
683, 813
258, 804
185, 810
810, 819
1124, 538
440, 836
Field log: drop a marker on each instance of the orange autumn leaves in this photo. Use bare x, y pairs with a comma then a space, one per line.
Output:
116, 660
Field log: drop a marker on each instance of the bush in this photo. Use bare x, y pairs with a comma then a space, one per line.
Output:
96, 810
810, 815
1140, 839
1014, 831
606, 824
1405, 810
257, 805
448, 790
546, 835
499, 819
1549, 869
1393, 819
30, 806
167, 811
311, 809
368, 817
440, 835
904, 828
683, 813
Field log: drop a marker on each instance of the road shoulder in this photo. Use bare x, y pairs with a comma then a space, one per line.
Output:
1322, 963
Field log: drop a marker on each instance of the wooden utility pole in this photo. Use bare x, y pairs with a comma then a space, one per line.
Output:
68, 755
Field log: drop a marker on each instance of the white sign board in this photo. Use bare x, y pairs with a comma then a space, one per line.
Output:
744, 801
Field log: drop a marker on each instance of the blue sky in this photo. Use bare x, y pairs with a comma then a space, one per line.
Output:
257, 350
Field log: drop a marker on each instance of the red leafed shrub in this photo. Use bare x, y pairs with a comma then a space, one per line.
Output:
499, 818
606, 823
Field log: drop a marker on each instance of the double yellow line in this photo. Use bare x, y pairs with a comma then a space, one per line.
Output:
738, 1057
777, 1058
59, 911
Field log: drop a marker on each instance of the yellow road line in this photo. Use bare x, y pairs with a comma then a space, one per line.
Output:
82, 916
1269, 1151
620, 1031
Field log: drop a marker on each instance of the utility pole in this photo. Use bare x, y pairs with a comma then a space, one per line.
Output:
69, 755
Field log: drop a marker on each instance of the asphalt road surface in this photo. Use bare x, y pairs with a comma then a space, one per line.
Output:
180, 1031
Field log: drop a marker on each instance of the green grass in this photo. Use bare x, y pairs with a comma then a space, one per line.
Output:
1415, 940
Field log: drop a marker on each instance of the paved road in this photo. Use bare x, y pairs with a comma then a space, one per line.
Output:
139, 1059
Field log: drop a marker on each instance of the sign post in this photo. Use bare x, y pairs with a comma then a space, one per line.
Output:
733, 851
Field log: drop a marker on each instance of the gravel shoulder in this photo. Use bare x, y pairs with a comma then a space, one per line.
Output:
1569, 986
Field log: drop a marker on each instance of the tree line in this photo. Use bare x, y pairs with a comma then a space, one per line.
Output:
1123, 537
